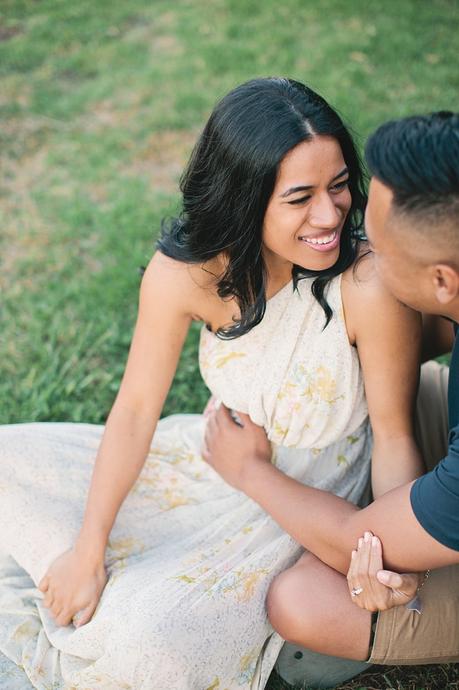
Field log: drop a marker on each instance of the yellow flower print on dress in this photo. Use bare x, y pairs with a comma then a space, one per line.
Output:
285, 391
214, 352
118, 553
26, 630
247, 666
241, 582
172, 455
224, 359
318, 385
160, 482
94, 679
124, 547
186, 578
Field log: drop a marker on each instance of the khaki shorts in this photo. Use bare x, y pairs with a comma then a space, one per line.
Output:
406, 637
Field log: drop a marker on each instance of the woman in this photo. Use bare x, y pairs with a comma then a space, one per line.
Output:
263, 254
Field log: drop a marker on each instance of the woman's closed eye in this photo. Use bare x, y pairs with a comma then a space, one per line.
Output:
339, 186
300, 201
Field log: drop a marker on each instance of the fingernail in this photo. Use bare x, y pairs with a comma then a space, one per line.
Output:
374, 541
367, 536
383, 576
353, 554
360, 543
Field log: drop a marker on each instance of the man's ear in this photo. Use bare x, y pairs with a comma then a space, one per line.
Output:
445, 282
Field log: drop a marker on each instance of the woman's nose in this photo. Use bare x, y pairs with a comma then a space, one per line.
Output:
324, 213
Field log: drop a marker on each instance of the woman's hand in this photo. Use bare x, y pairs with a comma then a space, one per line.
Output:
232, 447
73, 585
373, 588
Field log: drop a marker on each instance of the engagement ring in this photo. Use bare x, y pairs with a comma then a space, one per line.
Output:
355, 591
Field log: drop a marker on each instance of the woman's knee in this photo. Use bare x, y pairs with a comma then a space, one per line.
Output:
279, 604
290, 602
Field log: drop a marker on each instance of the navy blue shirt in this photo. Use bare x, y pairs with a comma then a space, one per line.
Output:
435, 496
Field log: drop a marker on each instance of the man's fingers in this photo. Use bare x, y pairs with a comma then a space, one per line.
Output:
211, 426
212, 420
210, 407
211, 429
406, 583
390, 579
223, 414
226, 415
245, 419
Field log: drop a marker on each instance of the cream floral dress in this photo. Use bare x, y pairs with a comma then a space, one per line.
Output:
190, 559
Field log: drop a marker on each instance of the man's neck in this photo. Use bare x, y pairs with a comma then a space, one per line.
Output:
452, 314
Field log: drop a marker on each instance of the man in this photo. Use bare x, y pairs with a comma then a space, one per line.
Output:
412, 224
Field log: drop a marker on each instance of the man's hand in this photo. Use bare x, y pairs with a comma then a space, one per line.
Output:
209, 408
232, 448
373, 588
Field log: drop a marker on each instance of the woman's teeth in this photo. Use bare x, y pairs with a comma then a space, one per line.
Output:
325, 239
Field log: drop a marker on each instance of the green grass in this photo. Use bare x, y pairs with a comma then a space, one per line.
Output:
428, 677
100, 104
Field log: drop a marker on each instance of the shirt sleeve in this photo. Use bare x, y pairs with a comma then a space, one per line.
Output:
435, 499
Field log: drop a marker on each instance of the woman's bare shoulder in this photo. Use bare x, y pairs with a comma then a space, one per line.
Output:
362, 271
368, 303
362, 283
189, 284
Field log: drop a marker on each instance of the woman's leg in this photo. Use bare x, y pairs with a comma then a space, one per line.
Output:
309, 605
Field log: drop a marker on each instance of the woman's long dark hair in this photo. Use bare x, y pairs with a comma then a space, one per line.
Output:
230, 178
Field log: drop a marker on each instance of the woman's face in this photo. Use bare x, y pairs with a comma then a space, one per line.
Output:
306, 212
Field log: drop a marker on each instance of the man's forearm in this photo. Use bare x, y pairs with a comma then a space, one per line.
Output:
311, 516
330, 527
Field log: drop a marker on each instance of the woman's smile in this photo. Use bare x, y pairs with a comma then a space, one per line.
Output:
323, 242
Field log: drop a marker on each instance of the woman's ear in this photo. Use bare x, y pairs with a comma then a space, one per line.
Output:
445, 281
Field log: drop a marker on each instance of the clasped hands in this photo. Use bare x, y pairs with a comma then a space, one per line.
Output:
234, 450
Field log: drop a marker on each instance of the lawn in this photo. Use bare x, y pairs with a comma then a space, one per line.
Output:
100, 103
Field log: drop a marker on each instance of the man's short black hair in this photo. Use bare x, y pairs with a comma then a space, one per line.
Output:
418, 159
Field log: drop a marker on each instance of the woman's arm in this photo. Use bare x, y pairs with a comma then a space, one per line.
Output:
162, 324
388, 338
75, 580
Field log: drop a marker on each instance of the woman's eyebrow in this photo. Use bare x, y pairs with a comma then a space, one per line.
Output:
303, 188
292, 190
